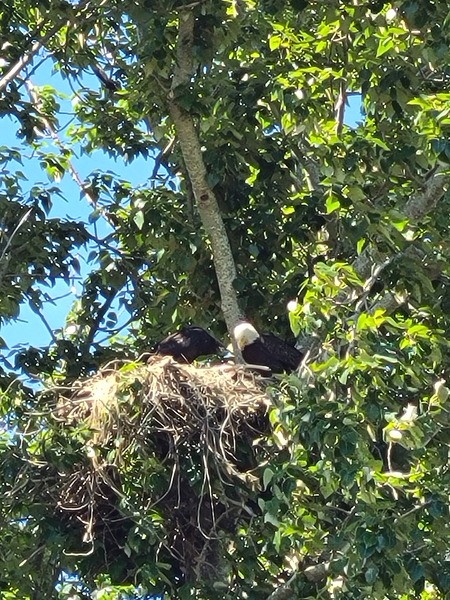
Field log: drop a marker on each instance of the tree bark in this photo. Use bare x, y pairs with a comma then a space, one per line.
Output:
206, 201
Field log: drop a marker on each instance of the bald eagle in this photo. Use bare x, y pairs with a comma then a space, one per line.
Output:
266, 349
188, 343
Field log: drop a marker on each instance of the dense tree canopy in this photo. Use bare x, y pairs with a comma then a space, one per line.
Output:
258, 193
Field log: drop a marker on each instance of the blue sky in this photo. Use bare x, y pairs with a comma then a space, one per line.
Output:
29, 329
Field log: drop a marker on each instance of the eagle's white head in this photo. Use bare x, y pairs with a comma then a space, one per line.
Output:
245, 334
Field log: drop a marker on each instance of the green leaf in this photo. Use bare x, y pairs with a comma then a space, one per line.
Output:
371, 574
267, 477
139, 219
272, 519
332, 204
274, 42
384, 46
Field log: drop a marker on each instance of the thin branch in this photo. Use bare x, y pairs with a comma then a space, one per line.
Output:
165, 153
4, 258
312, 174
309, 166
28, 56
16, 229
116, 330
84, 187
367, 287
191, 5
46, 324
286, 591
38, 550
371, 262
98, 319
32, 71
339, 108
423, 202
316, 573
420, 204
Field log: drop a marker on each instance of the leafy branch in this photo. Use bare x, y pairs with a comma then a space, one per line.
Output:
39, 44
419, 205
84, 187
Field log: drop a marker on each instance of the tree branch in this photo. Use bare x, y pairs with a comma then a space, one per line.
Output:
4, 256
339, 108
420, 204
371, 262
286, 591
94, 326
192, 155
313, 574
28, 56
84, 187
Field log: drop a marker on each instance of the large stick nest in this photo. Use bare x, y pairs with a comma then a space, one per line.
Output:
167, 437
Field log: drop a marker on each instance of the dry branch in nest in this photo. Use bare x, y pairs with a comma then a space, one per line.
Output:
167, 438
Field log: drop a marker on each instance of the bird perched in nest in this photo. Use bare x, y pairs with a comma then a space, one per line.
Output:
188, 343
266, 350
